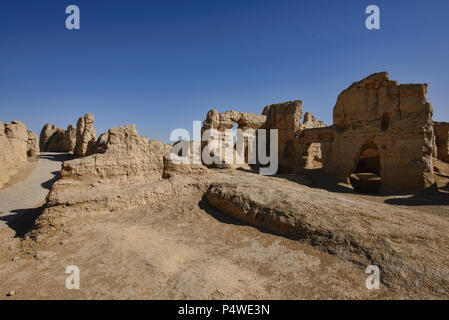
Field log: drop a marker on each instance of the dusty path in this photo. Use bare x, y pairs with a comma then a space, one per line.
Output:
30, 193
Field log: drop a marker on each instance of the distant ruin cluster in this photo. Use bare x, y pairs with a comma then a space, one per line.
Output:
79, 140
383, 137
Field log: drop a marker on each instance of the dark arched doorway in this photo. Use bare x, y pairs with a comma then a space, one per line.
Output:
366, 176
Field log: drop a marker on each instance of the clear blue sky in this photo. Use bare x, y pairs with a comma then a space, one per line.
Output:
161, 64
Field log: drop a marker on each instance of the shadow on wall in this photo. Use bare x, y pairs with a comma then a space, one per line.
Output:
437, 198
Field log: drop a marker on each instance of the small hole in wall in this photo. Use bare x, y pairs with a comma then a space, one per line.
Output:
385, 121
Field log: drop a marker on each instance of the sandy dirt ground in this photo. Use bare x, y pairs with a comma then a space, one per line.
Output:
179, 249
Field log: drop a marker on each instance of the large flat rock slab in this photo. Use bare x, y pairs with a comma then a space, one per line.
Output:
411, 249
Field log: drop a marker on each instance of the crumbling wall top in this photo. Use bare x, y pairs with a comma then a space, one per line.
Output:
228, 119
376, 97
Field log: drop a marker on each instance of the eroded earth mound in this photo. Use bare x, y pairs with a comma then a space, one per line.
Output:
16, 145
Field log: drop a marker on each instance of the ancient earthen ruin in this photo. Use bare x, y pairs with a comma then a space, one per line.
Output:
441, 130
16, 145
381, 128
121, 203
382, 136
54, 139
85, 134
74, 139
382, 139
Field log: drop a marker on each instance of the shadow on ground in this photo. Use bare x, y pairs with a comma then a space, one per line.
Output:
433, 199
316, 179
22, 221
49, 183
313, 178
57, 156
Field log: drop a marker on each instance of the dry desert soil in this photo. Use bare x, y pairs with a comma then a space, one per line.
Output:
180, 249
